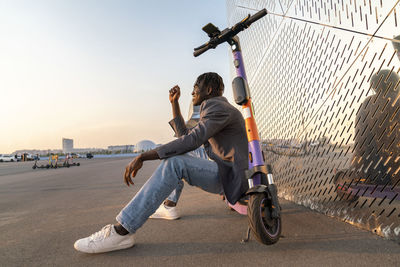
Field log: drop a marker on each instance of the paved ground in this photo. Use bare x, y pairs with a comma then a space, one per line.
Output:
42, 213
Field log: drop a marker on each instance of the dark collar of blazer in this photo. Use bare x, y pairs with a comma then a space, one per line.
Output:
221, 129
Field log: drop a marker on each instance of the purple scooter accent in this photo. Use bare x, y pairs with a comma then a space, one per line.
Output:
237, 55
255, 149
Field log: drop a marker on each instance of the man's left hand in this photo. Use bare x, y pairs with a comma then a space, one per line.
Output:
132, 169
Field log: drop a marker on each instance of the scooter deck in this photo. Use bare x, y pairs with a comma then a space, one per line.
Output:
239, 208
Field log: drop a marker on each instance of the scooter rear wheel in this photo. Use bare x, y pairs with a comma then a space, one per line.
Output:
266, 229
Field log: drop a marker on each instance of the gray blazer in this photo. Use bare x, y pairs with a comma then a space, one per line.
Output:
222, 130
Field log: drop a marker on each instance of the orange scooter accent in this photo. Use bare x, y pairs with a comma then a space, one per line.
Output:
251, 126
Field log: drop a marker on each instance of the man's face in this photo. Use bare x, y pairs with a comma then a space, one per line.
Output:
199, 95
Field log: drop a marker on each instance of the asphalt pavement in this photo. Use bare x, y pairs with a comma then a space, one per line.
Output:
43, 212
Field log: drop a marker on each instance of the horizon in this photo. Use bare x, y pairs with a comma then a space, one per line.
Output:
78, 148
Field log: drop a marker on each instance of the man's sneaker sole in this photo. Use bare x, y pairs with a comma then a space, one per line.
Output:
163, 217
166, 213
93, 251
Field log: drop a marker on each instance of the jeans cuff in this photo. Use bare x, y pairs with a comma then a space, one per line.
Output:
120, 218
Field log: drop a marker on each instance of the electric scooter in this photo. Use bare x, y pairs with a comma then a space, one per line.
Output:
52, 157
262, 209
35, 165
53, 163
69, 161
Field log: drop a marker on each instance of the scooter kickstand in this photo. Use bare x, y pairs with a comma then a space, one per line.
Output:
247, 238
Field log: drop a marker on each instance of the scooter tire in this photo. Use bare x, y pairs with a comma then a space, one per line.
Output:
34, 167
266, 229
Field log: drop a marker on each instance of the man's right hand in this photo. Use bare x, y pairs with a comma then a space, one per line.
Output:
132, 169
174, 94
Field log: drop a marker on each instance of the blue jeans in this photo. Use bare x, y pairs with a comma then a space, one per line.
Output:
195, 171
198, 153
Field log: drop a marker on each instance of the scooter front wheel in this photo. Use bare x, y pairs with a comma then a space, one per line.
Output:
266, 229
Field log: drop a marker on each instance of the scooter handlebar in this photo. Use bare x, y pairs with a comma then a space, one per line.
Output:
201, 50
256, 17
229, 32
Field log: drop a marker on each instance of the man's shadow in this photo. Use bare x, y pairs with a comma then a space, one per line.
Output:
376, 151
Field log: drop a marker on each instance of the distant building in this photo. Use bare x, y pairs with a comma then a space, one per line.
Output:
144, 145
67, 145
122, 149
86, 150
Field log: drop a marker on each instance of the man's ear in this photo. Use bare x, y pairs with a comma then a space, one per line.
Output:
209, 91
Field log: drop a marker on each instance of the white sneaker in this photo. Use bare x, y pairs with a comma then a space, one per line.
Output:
165, 212
107, 239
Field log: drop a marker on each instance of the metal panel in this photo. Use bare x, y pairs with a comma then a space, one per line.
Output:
324, 77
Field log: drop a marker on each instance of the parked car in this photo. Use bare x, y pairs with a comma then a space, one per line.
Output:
30, 157
7, 157
89, 155
76, 155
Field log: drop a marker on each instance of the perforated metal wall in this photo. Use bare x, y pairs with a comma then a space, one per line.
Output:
324, 77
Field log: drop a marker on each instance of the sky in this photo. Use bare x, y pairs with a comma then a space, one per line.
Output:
99, 71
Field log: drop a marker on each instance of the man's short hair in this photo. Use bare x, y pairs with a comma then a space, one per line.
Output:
213, 80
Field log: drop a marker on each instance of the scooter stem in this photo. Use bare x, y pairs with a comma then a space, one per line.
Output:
255, 152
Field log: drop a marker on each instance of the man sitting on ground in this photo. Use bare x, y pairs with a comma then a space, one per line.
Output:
221, 129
